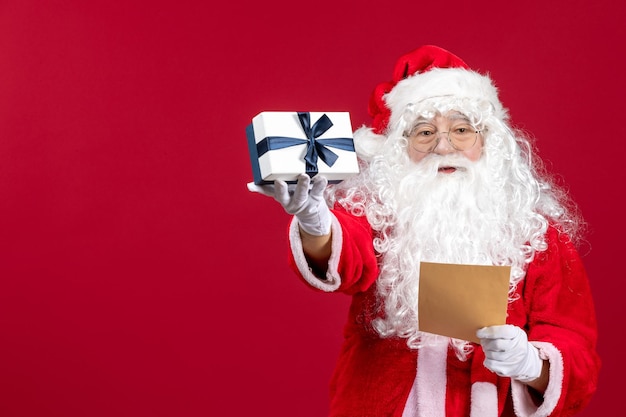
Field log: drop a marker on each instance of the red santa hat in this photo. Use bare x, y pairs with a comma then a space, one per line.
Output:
428, 72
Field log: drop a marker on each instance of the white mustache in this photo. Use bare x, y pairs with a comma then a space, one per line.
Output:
433, 162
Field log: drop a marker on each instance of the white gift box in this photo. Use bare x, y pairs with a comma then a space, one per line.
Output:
284, 145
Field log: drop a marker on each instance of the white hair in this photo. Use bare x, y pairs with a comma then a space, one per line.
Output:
493, 212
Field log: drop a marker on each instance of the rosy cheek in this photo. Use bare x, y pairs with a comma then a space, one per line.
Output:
475, 153
474, 156
416, 156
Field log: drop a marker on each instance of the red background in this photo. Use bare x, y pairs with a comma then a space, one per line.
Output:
139, 277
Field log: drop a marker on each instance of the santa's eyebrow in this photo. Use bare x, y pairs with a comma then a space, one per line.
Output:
457, 115
454, 116
422, 119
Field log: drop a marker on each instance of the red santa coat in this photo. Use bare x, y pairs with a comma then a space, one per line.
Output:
378, 377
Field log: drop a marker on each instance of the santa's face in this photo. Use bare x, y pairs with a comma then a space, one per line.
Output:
438, 130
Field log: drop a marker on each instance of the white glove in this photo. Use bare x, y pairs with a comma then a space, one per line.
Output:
509, 354
309, 207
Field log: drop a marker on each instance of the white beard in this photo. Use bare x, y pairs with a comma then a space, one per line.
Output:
450, 218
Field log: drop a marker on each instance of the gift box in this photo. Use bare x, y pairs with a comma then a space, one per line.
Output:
284, 145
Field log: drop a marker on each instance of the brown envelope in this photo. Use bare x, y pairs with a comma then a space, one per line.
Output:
456, 300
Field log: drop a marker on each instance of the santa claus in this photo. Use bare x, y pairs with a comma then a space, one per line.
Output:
446, 179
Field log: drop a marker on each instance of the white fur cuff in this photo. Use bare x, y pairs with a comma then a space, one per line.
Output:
522, 401
332, 280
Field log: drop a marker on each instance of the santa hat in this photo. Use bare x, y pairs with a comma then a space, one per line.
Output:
428, 72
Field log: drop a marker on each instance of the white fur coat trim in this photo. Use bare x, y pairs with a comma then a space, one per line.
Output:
484, 400
428, 394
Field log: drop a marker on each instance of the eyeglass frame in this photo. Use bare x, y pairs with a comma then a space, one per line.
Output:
438, 139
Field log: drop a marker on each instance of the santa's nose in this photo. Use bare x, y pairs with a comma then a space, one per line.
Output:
443, 145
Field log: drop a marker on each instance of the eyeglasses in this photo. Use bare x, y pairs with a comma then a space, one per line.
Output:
425, 137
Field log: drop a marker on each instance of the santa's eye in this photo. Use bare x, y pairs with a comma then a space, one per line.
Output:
423, 131
462, 131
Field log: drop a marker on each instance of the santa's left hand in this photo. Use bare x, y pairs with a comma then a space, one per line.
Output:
508, 352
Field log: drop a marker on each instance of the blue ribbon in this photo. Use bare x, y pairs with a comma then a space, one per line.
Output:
316, 148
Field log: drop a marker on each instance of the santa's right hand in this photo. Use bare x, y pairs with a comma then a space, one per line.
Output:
303, 201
